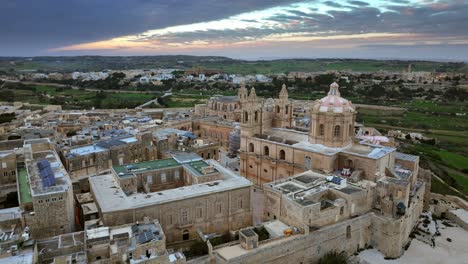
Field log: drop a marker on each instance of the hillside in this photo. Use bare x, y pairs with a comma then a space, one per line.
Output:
98, 63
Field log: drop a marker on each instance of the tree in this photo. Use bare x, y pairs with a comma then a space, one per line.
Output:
7, 117
334, 258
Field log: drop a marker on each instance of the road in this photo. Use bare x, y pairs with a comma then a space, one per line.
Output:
155, 101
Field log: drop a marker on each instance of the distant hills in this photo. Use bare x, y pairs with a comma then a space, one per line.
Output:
228, 65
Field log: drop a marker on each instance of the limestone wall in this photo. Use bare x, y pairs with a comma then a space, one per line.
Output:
348, 236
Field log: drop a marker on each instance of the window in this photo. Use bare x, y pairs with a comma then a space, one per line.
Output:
200, 212
4, 165
163, 177
246, 117
256, 116
13, 173
348, 232
184, 216
219, 208
177, 174
149, 179
282, 155
277, 109
5, 173
337, 131
169, 219
287, 110
240, 203
266, 151
251, 147
308, 163
341, 210
321, 130
351, 130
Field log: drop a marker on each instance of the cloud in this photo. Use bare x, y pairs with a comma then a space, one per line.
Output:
38, 25
358, 3
350, 24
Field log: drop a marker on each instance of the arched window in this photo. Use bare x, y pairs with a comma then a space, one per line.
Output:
321, 130
251, 147
287, 110
337, 131
348, 232
282, 155
246, 116
256, 116
351, 130
277, 109
266, 151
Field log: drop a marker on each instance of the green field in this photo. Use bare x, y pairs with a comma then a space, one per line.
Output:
454, 160
76, 99
448, 158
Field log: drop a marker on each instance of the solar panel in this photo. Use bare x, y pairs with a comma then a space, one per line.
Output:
46, 173
145, 237
336, 180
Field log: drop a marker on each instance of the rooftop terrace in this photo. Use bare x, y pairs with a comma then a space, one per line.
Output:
24, 188
111, 198
146, 166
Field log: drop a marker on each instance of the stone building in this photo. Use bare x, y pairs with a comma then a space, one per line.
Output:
214, 128
7, 174
143, 242
99, 157
185, 193
168, 140
45, 191
315, 214
271, 148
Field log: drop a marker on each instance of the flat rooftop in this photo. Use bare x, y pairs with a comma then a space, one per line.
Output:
300, 140
147, 166
62, 180
197, 167
304, 188
24, 187
110, 197
404, 156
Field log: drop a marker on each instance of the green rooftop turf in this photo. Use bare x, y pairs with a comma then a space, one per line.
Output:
24, 188
148, 165
198, 165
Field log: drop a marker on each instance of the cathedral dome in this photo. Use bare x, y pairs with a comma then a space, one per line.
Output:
333, 102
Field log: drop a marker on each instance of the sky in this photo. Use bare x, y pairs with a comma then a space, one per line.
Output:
245, 29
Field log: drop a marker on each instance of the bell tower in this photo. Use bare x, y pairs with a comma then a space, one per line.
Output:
252, 115
243, 93
282, 112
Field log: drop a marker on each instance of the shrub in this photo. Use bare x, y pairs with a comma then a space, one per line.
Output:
334, 258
